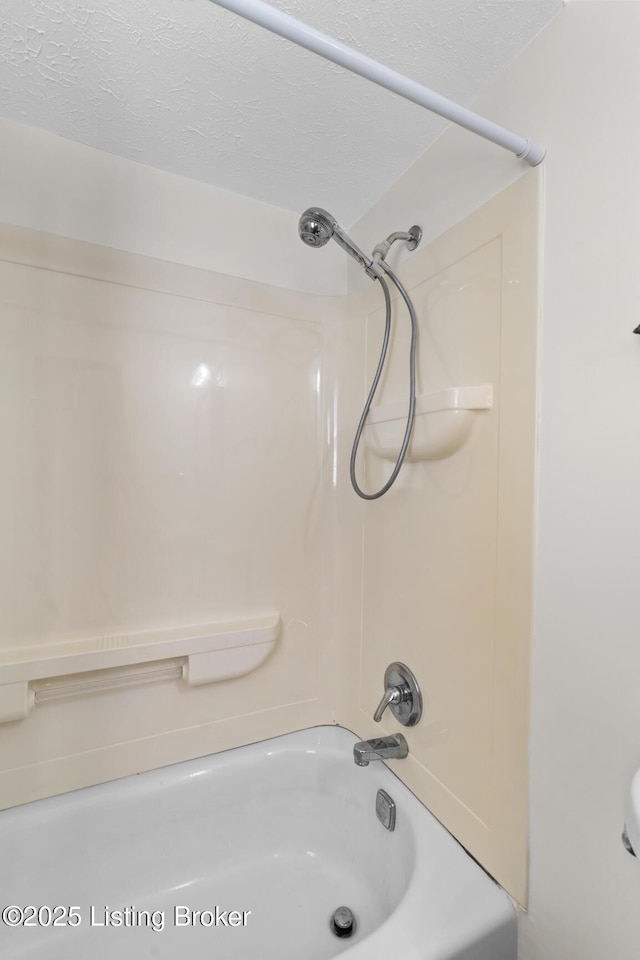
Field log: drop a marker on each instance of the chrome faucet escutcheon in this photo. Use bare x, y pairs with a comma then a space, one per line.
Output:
401, 694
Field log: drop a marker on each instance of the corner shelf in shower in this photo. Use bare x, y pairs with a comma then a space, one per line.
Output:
200, 654
443, 422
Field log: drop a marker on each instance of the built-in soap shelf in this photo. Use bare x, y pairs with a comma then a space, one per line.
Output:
444, 420
200, 654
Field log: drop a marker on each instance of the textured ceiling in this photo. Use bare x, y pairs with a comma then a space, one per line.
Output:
188, 87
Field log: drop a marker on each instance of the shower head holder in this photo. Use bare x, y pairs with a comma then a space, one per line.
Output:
411, 237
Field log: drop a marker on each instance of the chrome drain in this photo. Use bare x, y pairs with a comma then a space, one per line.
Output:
343, 922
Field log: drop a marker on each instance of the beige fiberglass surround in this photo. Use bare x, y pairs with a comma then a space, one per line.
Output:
178, 446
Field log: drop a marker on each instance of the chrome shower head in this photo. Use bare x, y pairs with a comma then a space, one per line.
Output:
316, 227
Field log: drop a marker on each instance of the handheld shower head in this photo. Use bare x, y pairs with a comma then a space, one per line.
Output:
316, 227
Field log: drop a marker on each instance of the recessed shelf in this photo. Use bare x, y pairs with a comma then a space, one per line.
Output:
204, 653
443, 422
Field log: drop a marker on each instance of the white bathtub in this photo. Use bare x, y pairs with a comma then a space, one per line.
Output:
281, 832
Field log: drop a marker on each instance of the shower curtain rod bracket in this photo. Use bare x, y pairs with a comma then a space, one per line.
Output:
533, 153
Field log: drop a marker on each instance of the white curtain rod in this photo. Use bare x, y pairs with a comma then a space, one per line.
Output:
305, 36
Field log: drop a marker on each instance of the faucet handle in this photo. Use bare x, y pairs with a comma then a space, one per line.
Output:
391, 695
401, 694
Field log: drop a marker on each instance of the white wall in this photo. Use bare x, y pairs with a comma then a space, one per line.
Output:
586, 721
577, 89
52, 184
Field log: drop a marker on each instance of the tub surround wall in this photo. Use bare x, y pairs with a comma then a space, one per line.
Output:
448, 552
166, 457
181, 446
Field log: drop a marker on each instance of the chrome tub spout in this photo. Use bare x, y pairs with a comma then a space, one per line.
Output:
381, 748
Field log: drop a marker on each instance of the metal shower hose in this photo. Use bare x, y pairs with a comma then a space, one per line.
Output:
374, 386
